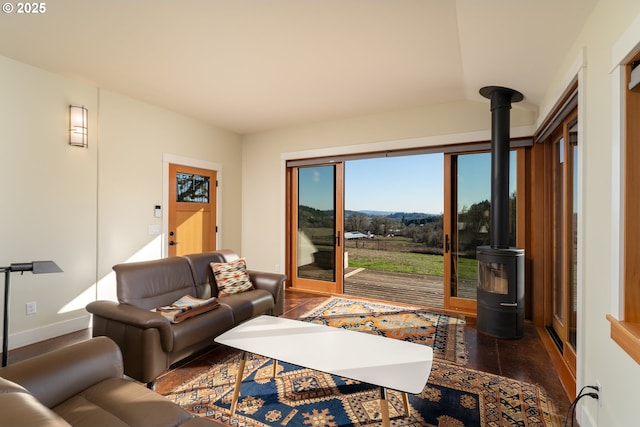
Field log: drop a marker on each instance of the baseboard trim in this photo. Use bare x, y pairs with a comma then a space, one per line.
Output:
585, 419
32, 336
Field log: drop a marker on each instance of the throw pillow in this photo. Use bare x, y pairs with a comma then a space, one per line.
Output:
231, 277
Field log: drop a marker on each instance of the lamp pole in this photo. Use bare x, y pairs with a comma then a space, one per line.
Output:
5, 322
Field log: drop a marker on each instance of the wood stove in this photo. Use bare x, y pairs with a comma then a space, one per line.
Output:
500, 267
501, 291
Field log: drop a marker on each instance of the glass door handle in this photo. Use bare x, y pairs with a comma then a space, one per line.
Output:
338, 239
447, 244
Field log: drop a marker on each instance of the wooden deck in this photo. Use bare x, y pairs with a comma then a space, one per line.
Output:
397, 287
407, 288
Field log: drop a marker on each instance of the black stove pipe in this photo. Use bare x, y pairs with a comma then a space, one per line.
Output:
501, 99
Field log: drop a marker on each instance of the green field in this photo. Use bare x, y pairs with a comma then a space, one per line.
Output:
408, 262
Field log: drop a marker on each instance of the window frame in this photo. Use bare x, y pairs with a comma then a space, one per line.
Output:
624, 317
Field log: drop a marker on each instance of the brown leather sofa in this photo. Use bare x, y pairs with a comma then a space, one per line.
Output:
150, 344
83, 385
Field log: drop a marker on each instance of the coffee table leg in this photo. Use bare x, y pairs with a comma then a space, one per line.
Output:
275, 368
236, 389
405, 403
384, 407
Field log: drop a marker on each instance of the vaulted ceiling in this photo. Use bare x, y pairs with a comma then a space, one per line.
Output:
253, 65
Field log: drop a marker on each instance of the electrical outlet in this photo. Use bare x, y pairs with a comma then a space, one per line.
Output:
32, 308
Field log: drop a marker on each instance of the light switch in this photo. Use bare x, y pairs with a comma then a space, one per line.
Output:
153, 229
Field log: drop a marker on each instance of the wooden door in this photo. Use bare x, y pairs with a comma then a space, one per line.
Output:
192, 210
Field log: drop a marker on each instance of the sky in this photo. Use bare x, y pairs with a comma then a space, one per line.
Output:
400, 184
396, 184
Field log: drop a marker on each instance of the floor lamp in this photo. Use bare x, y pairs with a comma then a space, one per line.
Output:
36, 267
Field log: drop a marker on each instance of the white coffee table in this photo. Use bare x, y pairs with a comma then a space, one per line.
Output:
385, 362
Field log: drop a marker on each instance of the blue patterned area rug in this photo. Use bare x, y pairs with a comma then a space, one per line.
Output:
442, 332
453, 397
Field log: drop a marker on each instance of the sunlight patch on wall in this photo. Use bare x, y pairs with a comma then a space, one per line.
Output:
80, 301
105, 288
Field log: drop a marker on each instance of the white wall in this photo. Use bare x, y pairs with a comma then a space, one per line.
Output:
48, 195
133, 138
264, 154
88, 209
599, 358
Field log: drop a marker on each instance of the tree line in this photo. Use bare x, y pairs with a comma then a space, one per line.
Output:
472, 226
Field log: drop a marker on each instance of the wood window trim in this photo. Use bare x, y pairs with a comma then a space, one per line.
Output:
627, 336
626, 332
542, 234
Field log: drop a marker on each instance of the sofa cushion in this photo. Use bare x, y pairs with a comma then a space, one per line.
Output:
203, 274
231, 277
152, 284
201, 328
117, 402
246, 305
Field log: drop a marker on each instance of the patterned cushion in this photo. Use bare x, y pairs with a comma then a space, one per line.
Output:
231, 277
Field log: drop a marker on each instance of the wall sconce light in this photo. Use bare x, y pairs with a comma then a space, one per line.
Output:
78, 126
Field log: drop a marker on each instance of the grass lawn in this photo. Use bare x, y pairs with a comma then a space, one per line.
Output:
408, 262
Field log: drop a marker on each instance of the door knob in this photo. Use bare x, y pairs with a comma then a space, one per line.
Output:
172, 243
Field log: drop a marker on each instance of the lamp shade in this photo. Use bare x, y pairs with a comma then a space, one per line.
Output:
37, 267
78, 126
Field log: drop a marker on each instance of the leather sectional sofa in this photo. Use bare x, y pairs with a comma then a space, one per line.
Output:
83, 385
149, 342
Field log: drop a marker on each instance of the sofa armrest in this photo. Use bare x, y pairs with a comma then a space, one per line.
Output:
130, 315
19, 408
62, 373
272, 282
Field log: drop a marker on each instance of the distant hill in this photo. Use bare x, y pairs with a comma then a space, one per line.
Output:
411, 215
315, 218
394, 215
371, 213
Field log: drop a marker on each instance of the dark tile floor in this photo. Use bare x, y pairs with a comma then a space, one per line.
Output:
525, 359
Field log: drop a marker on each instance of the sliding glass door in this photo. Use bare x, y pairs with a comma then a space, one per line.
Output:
316, 227
315, 224
564, 175
467, 222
